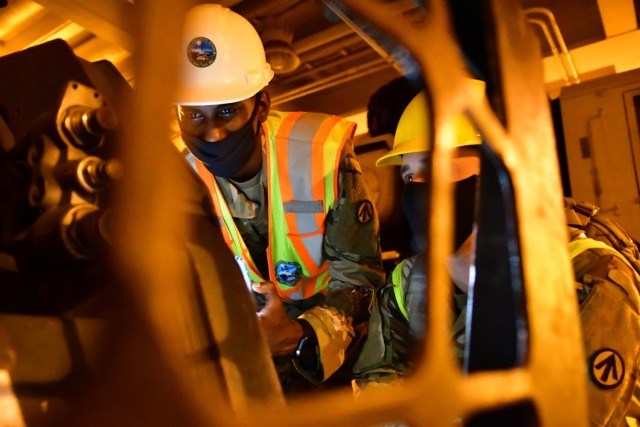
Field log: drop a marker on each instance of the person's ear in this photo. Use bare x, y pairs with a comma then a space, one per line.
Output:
264, 104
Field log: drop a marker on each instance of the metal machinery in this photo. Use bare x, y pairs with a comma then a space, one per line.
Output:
58, 166
67, 303
121, 305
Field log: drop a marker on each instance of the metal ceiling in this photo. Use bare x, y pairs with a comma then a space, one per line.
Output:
339, 69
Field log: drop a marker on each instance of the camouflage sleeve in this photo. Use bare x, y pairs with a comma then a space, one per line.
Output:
387, 352
609, 311
352, 249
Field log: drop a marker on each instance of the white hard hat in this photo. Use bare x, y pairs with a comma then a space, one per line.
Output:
222, 59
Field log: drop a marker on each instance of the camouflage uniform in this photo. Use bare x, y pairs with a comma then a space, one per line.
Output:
607, 291
351, 247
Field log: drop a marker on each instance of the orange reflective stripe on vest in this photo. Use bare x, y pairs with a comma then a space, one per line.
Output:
229, 230
302, 157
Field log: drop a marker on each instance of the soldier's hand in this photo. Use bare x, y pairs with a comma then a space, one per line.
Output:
282, 333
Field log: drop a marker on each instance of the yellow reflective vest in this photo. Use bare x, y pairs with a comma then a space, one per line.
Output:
302, 159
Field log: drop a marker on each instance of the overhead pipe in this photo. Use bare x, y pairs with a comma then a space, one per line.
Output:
356, 29
322, 38
336, 79
335, 38
391, 54
351, 57
573, 72
328, 48
552, 44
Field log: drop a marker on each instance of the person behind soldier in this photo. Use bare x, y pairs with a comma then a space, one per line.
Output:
606, 285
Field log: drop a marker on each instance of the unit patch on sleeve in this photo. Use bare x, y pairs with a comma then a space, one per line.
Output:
364, 211
607, 368
288, 273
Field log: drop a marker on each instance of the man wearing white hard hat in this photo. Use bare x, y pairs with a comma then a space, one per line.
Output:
289, 194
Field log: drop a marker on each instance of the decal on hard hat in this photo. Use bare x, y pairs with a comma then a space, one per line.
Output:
364, 211
607, 368
288, 273
201, 52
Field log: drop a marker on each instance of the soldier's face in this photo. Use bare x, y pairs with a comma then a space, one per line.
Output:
416, 167
213, 123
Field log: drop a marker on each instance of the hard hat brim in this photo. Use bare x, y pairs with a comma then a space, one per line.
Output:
217, 95
394, 156
413, 133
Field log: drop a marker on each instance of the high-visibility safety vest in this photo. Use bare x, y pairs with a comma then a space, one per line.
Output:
302, 159
398, 291
576, 247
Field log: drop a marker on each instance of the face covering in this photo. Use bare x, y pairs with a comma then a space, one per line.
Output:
414, 201
465, 208
415, 204
225, 158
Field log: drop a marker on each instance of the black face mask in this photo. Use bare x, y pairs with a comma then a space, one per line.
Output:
226, 157
465, 209
415, 203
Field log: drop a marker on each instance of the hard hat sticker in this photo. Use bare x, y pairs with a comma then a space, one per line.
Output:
201, 52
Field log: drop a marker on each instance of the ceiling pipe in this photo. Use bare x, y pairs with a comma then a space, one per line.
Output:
19, 17
331, 49
322, 38
107, 19
340, 78
356, 29
351, 57
552, 44
573, 72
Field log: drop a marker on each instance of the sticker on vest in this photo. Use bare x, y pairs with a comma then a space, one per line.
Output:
607, 368
288, 273
201, 52
364, 211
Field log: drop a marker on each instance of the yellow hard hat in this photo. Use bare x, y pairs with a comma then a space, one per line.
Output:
413, 133
222, 58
